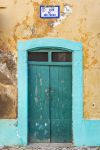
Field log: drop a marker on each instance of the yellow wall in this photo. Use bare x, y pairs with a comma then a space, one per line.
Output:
80, 21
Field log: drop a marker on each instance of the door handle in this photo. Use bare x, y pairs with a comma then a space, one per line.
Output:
51, 90
48, 91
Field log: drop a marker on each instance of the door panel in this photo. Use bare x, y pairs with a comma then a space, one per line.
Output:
39, 123
50, 103
61, 103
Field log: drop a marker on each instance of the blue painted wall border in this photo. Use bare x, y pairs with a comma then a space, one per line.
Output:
15, 132
9, 132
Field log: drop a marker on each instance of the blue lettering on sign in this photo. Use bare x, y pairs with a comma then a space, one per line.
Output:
50, 11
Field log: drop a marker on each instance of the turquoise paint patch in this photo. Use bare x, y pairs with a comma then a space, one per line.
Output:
9, 132
88, 133
22, 95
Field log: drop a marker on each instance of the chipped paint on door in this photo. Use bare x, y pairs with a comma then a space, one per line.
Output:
39, 123
50, 101
61, 103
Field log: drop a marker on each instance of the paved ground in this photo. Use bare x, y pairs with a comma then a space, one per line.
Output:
49, 147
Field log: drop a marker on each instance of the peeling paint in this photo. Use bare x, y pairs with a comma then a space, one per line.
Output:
66, 12
41, 82
79, 21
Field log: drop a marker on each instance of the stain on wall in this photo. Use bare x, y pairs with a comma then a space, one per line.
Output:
79, 21
8, 84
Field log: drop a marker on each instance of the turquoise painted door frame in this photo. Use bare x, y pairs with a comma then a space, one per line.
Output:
15, 131
77, 82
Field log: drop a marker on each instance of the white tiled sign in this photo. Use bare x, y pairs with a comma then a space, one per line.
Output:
49, 11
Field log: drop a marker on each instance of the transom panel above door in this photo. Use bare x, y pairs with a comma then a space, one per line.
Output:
50, 96
50, 57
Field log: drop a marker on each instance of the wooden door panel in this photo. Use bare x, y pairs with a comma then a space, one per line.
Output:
39, 121
61, 103
50, 103
61, 131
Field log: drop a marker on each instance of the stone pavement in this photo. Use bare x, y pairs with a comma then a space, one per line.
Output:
49, 146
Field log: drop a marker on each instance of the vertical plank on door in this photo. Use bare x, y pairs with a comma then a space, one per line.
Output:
39, 123
61, 103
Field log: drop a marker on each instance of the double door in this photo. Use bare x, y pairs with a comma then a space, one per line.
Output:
50, 103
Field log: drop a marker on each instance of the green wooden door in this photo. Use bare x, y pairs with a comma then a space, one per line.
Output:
39, 119
61, 103
50, 103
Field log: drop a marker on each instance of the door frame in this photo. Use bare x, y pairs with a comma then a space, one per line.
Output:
77, 82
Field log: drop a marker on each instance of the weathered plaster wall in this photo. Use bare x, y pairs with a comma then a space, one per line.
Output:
80, 21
